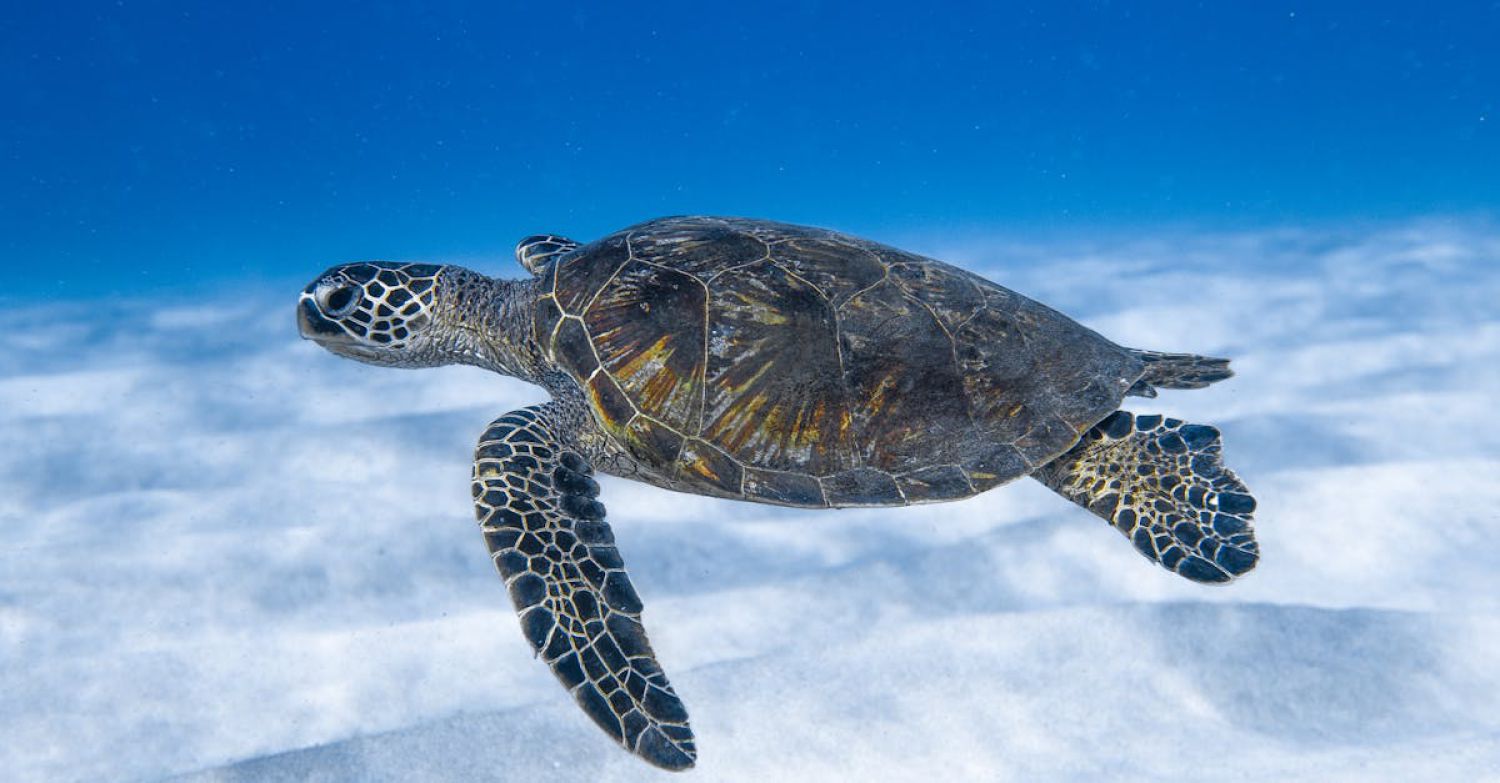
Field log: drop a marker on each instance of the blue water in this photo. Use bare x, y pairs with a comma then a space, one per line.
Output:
224, 550
155, 145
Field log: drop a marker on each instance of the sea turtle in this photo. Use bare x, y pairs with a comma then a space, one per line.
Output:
778, 364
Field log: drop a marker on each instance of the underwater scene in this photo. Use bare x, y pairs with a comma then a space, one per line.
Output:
228, 553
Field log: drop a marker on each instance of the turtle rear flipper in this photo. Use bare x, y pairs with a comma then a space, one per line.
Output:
1161, 483
547, 534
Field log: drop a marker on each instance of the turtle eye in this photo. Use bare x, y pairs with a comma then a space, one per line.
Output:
339, 301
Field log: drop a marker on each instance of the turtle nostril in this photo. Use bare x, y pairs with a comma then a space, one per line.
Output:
339, 301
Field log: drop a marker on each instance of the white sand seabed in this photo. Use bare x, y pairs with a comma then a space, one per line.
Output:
227, 555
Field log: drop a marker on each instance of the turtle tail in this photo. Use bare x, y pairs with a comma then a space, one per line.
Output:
1161, 483
1177, 371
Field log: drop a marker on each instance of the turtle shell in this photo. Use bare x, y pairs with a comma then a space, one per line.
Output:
804, 367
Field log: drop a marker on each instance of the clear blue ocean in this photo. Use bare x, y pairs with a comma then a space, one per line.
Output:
228, 555
154, 145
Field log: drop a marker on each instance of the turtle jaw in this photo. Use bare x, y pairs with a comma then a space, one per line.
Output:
328, 333
313, 325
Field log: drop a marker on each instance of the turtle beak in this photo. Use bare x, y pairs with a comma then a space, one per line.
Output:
312, 324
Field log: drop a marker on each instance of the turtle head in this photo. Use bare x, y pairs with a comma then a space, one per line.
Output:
376, 312
418, 315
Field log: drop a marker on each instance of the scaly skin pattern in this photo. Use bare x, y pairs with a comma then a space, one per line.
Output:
546, 532
777, 364
383, 304
1161, 482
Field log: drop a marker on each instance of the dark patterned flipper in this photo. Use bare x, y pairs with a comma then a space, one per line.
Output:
534, 252
548, 537
1160, 482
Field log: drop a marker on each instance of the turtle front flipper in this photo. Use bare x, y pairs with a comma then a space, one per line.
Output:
546, 532
534, 252
1161, 483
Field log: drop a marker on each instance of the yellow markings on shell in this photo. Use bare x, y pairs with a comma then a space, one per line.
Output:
599, 381
786, 428
700, 467
740, 425
881, 395
653, 357
655, 392
740, 388
647, 372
